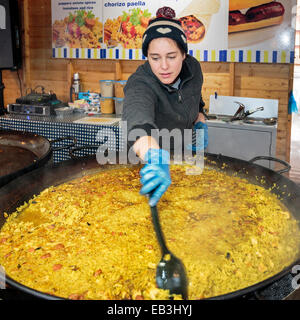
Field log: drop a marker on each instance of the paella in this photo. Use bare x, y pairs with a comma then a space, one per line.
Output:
80, 29
127, 29
92, 237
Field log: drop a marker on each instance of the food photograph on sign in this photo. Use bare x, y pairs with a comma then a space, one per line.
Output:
76, 26
203, 22
261, 24
212, 27
127, 29
196, 18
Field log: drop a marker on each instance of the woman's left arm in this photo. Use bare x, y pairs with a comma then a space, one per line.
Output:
200, 118
200, 141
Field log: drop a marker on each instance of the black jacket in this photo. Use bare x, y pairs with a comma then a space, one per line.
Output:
150, 104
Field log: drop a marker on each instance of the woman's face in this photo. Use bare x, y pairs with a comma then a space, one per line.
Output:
165, 59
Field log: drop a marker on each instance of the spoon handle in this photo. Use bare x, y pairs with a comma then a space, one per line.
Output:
158, 231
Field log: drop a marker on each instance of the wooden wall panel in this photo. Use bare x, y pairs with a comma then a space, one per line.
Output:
39, 68
12, 86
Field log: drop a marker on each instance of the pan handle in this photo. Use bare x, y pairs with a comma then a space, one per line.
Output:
64, 147
75, 149
287, 165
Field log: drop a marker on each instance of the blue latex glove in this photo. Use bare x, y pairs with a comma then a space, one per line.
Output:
292, 106
155, 176
200, 137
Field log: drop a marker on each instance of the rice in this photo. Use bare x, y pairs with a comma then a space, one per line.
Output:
69, 33
125, 33
92, 238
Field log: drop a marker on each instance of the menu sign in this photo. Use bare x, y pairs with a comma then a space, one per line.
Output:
217, 30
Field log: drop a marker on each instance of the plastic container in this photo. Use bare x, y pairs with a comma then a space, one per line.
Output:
107, 105
88, 96
62, 112
107, 88
119, 88
119, 102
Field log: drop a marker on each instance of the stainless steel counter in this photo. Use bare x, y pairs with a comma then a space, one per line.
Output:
242, 140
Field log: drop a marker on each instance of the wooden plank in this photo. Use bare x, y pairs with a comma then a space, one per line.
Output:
58, 87
262, 70
231, 78
217, 82
40, 12
261, 93
95, 77
207, 92
48, 75
129, 66
49, 65
70, 75
101, 66
91, 86
118, 71
27, 71
215, 67
246, 82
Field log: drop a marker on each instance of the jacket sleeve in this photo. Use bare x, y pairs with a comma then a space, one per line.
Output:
139, 107
201, 105
197, 70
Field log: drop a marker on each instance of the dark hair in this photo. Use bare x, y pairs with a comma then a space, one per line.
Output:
182, 50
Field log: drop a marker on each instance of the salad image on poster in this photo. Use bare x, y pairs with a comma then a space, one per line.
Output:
76, 26
127, 29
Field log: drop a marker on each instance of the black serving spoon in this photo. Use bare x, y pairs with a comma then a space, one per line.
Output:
170, 272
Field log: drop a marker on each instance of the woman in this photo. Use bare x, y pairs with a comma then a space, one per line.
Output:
164, 93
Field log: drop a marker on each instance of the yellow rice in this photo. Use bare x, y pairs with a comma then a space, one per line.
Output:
92, 238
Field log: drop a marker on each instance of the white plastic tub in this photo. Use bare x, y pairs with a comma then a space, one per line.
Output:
119, 102
107, 88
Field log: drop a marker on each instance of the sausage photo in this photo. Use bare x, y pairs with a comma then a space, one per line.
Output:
260, 15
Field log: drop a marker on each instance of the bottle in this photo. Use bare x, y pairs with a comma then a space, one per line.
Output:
76, 87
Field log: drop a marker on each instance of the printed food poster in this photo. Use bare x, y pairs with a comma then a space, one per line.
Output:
216, 30
77, 24
203, 22
266, 26
125, 22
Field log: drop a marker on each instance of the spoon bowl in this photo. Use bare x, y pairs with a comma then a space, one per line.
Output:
170, 272
171, 275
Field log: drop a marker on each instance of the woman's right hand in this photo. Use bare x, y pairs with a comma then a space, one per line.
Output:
155, 176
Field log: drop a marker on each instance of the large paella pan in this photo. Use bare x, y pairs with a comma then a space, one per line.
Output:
98, 243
